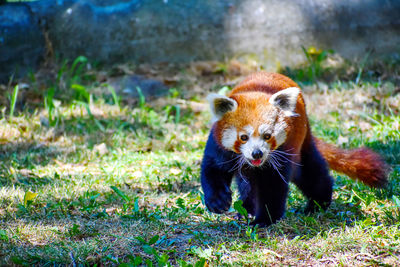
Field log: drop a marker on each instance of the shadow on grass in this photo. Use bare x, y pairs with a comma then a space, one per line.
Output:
86, 125
390, 151
19, 158
91, 225
99, 129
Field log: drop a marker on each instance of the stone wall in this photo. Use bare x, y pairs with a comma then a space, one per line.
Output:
112, 31
21, 41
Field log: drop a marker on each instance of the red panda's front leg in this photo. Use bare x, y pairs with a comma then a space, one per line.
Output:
216, 187
216, 177
269, 193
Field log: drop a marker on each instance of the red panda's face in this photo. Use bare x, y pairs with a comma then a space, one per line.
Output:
254, 124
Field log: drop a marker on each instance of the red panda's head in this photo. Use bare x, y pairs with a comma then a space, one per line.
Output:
253, 124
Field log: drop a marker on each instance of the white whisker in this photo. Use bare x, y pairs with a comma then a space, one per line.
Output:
238, 164
281, 157
242, 161
275, 160
226, 162
285, 152
277, 170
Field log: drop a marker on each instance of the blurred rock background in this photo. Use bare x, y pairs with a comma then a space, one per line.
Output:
156, 31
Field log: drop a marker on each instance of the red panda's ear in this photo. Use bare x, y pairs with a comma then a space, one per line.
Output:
220, 105
286, 100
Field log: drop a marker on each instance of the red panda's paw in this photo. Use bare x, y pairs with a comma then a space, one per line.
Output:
219, 201
314, 206
259, 223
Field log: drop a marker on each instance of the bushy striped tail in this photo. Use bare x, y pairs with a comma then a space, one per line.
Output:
360, 164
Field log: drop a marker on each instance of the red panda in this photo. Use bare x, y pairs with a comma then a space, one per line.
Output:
261, 136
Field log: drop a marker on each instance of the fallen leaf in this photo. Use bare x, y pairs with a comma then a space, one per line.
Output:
29, 196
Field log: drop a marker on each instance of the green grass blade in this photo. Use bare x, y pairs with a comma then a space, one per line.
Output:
142, 99
120, 193
81, 93
115, 97
80, 59
177, 114
14, 100
361, 68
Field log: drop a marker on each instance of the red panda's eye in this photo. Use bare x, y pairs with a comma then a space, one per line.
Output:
244, 137
267, 136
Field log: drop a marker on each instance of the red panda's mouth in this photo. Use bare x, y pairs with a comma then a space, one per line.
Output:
256, 162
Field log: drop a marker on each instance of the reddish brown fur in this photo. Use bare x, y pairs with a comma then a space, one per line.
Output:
273, 143
236, 147
361, 164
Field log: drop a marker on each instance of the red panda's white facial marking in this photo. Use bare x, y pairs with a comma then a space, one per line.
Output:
277, 129
229, 138
280, 131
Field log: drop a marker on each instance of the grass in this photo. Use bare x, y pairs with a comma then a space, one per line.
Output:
13, 100
87, 178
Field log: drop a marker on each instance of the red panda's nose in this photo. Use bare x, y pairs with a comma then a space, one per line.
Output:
257, 154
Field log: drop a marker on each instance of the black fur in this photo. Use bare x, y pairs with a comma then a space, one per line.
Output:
313, 178
216, 176
223, 105
262, 189
282, 101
